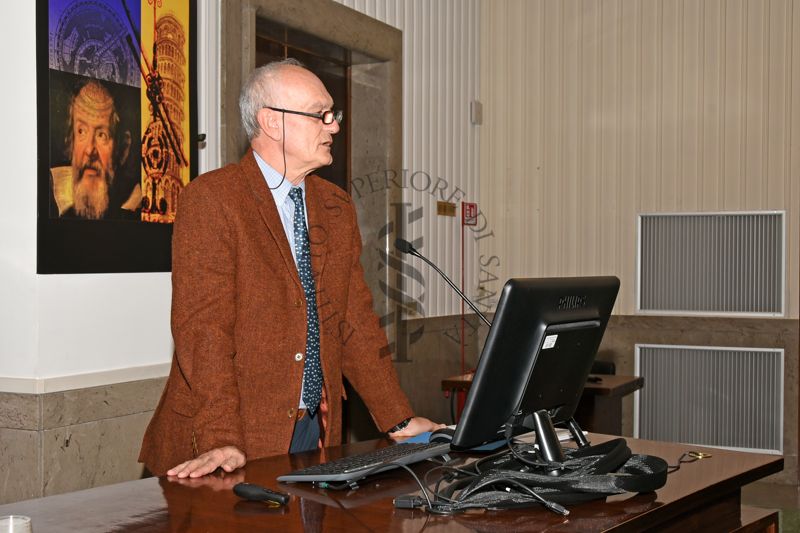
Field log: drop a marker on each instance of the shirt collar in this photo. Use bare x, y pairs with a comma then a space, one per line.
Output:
273, 178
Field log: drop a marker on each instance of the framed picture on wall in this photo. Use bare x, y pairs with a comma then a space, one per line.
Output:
116, 101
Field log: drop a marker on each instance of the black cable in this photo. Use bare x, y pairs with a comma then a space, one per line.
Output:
450, 504
379, 467
477, 464
419, 482
457, 485
425, 524
436, 492
506, 480
283, 146
693, 456
550, 505
546, 465
438, 495
461, 503
443, 502
366, 474
449, 468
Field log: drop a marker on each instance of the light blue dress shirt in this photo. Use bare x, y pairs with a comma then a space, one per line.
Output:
285, 205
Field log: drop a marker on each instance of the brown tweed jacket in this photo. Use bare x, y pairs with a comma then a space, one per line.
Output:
239, 318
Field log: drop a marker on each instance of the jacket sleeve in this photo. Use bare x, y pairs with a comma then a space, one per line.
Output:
366, 359
204, 316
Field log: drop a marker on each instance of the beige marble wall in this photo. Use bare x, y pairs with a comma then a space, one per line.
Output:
71, 440
433, 357
370, 145
625, 331
20, 447
20, 452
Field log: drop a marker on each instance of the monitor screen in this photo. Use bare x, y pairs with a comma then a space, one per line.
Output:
537, 356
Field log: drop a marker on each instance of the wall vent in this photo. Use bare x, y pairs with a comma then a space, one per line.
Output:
712, 396
711, 263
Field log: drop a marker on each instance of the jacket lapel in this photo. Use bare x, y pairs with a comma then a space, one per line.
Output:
318, 229
269, 212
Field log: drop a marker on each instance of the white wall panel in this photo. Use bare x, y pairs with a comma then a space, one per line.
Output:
596, 111
75, 330
441, 75
18, 283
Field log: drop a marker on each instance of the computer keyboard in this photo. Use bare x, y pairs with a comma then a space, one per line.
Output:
358, 466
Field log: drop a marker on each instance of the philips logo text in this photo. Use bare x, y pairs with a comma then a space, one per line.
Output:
571, 302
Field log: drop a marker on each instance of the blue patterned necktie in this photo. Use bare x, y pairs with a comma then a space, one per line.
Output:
312, 372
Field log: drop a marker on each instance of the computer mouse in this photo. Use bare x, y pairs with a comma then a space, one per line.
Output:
442, 435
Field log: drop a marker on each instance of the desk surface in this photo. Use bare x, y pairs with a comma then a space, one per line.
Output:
608, 384
700, 495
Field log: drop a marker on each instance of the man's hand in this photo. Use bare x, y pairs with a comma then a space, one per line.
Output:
416, 426
228, 457
217, 482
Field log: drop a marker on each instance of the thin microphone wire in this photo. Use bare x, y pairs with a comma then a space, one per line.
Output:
283, 146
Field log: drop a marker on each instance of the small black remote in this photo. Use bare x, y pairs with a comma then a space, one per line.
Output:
250, 491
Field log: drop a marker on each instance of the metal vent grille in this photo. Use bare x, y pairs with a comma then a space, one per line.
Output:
715, 263
728, 397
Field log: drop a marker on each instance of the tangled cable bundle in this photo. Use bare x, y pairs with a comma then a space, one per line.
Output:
521, 478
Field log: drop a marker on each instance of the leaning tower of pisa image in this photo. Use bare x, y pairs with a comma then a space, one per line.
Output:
162, 156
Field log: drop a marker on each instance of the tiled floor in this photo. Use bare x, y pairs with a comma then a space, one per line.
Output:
786, 498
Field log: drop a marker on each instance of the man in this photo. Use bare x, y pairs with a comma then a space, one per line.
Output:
270, 307
93, 186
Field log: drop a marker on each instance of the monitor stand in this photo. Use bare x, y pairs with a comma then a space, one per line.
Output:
547, 439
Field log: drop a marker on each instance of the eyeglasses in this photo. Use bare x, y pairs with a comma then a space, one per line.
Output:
327, 117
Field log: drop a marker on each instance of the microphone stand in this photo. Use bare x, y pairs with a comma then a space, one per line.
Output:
406, 247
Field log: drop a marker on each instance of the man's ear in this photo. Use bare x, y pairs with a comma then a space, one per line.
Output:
270, 123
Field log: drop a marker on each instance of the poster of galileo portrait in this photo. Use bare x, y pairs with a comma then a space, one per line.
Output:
100, 177
116, 95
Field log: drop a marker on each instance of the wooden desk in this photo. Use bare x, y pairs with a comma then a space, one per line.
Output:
600, 408
701, 496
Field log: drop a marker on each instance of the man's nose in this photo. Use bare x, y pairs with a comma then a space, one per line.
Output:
91, 150
334, 127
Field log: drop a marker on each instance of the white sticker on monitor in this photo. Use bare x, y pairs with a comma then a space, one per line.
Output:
549, 341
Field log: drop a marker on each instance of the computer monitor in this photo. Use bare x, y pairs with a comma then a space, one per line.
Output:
537, 356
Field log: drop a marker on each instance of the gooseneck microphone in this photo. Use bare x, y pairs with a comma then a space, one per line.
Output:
407, 248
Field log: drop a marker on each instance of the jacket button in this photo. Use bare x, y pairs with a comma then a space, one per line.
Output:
298, 303
291, 412
298, 357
